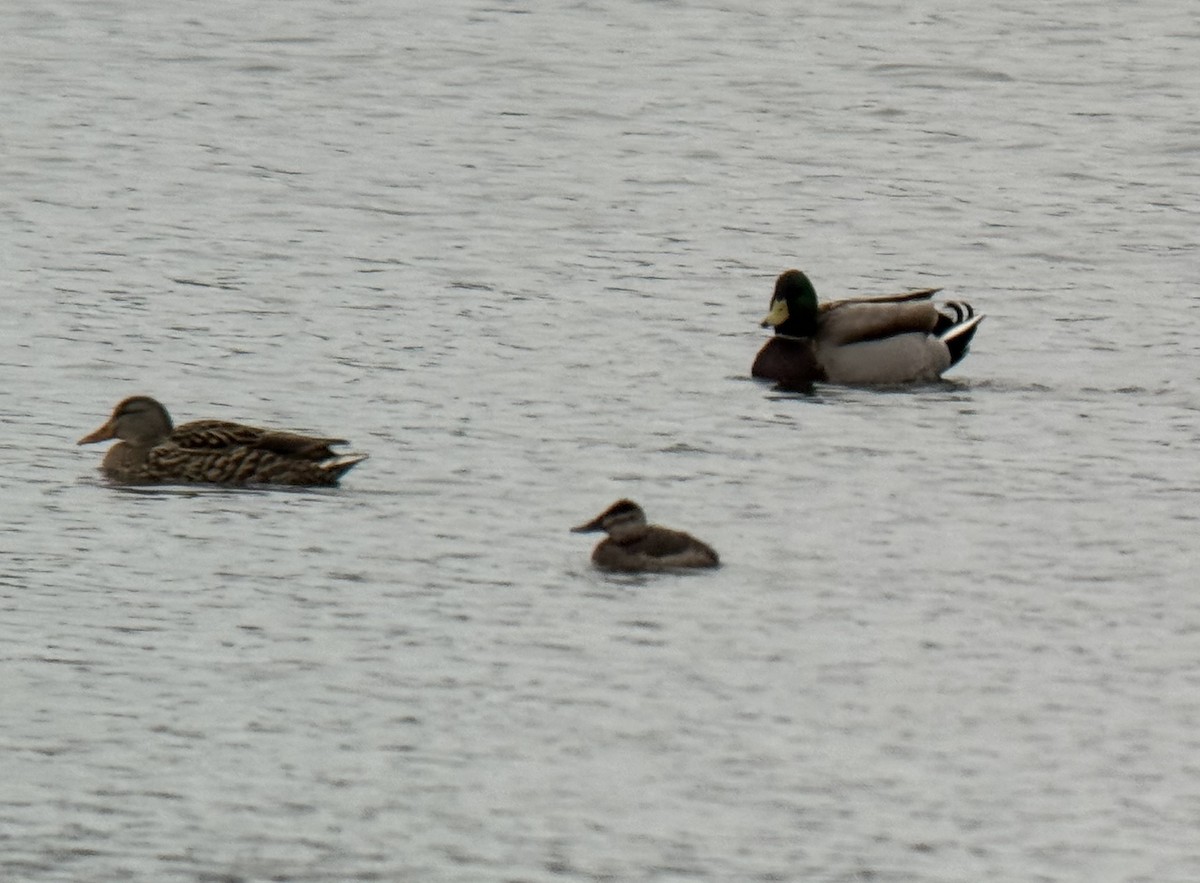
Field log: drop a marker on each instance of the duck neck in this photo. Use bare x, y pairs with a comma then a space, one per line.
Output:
801, 322
626, 532
123, 459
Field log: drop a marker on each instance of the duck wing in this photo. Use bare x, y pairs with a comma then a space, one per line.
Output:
657, 542
850, 322
222, 435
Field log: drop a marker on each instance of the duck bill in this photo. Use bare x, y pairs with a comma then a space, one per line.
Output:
777, 316
104, 433
590, 527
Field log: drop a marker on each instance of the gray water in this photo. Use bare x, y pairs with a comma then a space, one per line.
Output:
518, 253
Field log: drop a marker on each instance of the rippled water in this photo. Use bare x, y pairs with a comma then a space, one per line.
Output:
518, 254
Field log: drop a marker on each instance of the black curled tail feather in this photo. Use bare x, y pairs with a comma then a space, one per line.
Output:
963, 312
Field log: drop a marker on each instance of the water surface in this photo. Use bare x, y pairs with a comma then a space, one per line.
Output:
518, 255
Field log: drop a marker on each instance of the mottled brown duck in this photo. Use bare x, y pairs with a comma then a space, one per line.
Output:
151, 450
885, 340
632, 545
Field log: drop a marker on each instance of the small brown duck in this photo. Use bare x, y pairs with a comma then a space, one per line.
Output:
890, 339
633, 545
152, 450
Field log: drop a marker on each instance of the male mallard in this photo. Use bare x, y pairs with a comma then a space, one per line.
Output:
895, 338
152, 451
634, 545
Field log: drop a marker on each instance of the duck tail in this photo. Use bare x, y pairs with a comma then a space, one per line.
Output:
335, 469
957, 333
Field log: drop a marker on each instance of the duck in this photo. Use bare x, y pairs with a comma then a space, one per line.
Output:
152, 450
890, 339
634, 546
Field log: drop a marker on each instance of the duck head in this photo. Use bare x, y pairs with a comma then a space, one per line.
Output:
621, 516
793, 306
139, 420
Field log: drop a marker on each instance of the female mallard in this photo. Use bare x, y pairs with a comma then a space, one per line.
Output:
153, 451
634, 545
891, 339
